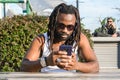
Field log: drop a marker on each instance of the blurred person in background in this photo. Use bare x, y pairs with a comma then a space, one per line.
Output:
107, 30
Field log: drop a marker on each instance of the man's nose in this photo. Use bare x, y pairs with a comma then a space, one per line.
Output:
65, 29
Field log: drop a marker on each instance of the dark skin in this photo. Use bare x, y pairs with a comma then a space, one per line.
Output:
68, 62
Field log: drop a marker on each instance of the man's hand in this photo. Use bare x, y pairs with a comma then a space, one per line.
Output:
52, 59
64, 59
113, 25
114, 35
72, 63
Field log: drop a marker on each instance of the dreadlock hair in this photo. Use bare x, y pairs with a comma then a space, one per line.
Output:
66, 9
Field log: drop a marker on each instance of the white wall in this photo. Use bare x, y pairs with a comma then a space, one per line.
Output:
1, 10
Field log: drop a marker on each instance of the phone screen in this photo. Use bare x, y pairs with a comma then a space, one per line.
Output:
67, 48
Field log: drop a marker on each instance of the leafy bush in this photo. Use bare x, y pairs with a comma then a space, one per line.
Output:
16, 34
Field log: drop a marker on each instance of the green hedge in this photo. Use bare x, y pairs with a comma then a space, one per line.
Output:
16, 34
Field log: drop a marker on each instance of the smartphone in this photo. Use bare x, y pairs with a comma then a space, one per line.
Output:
67, 48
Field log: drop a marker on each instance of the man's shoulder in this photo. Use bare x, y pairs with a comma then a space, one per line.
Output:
83, 40
83, 37
40, 37
43, 35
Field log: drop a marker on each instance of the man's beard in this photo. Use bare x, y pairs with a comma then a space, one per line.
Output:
60, 36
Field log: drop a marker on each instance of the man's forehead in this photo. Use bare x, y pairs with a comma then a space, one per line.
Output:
110, 19
63, 16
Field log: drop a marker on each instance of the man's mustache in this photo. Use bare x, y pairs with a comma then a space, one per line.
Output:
62, 33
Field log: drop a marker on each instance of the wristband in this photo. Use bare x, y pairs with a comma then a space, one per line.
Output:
42, 62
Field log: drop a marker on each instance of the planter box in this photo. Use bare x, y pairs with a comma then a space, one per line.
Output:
107, 50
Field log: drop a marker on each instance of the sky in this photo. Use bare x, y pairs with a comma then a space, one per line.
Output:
93, 10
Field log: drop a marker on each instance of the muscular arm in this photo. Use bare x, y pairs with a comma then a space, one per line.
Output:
91, 64
30, 62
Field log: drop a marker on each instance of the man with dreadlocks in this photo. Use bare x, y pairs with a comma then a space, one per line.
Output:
64, 28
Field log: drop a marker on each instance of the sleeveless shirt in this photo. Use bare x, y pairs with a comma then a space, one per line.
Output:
46, 53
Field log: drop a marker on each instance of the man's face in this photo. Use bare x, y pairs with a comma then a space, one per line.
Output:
109, 22
65, 26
